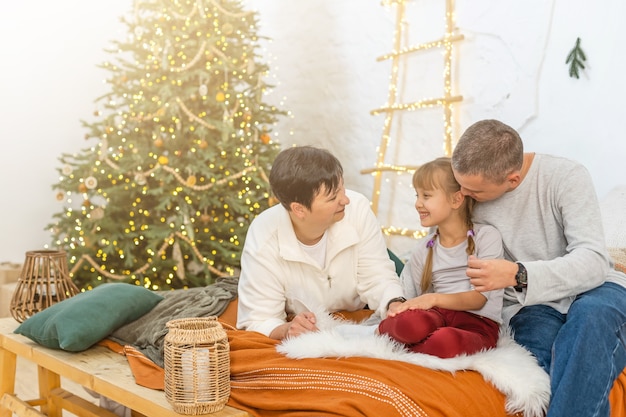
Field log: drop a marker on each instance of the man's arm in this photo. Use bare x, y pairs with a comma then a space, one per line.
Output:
556, 233
583, 263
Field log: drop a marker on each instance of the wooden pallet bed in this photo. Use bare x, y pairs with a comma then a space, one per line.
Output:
98, 369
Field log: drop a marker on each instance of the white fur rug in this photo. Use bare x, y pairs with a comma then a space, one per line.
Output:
509, 367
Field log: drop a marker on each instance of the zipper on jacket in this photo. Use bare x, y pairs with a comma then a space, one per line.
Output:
330, 281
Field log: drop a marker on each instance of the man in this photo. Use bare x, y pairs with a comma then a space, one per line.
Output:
321, 249
565, 301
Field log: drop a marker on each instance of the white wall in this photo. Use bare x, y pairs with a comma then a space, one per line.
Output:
48, 83
511, 66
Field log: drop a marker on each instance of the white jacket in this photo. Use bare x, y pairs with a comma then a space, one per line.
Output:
278, 278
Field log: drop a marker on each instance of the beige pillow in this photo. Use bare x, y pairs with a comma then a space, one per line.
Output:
613, 209
619, 257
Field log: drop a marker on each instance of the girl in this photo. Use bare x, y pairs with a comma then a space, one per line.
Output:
446, 316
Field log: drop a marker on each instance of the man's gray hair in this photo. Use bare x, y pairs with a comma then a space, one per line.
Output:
488, 148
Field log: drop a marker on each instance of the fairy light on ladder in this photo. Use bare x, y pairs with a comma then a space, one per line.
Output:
392, 107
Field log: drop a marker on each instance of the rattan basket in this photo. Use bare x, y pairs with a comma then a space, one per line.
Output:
197, 365
44, 281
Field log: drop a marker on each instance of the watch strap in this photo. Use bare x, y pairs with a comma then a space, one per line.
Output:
395, 300
521, 277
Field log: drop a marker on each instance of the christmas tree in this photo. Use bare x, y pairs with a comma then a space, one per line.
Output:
166, 195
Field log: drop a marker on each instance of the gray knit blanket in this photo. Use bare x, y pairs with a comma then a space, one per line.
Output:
147, 334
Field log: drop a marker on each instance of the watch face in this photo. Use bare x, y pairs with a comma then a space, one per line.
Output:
521, 276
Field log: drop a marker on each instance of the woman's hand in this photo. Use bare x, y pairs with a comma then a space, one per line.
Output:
302, 323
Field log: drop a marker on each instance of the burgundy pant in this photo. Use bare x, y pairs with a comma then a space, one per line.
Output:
441, 332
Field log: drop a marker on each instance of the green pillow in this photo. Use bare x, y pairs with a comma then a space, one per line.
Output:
396, 261
79, 322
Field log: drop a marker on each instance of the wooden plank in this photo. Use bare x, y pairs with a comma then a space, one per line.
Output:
47, 382
19, 407
8, 366
77, 405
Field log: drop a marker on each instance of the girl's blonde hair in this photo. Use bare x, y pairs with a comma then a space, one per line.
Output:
437, 175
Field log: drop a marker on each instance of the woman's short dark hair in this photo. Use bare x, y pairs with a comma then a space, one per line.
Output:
299, 173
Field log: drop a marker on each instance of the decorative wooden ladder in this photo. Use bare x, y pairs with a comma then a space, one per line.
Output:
392, 107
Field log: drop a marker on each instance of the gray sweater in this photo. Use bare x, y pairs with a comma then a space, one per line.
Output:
449, 269
552, 224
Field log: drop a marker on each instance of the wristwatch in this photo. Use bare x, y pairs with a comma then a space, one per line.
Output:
396, 300
521, 278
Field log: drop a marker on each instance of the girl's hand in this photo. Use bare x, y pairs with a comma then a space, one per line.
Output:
422, 302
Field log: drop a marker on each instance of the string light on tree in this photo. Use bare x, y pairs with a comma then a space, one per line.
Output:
165, 198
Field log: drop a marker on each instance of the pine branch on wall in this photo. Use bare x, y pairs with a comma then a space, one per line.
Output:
576, 59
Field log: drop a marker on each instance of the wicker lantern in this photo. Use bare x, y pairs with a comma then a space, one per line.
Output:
44, 281
197, 365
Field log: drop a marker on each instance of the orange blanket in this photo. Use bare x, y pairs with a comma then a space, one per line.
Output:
266, 383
